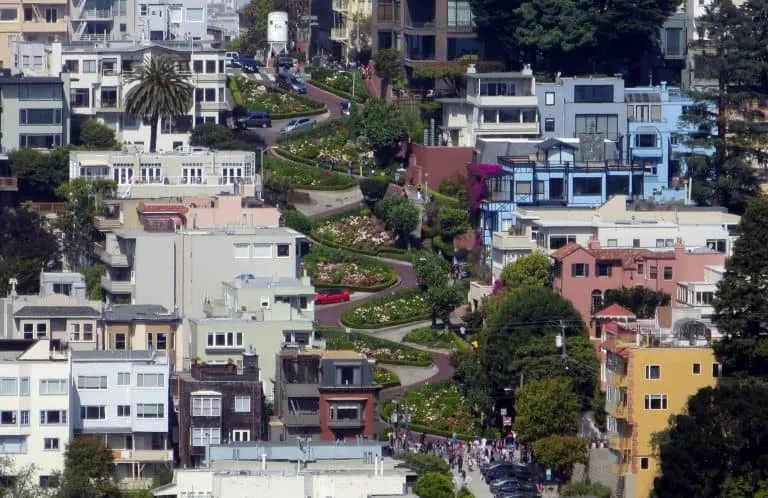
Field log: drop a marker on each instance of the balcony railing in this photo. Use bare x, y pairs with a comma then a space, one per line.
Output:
143, 455
339, 34
346, 423
110, 258
340, 5
621, 443
95, 14
619, 410
620, 380
104, 224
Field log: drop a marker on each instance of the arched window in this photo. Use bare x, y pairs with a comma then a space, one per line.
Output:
597, 300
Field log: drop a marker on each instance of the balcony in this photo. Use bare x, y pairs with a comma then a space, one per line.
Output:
339, 34
116, 286
622, 468
110, 105
511, 242
619, 410
621, 443
41, 26
110, 258
212, 106
8, 184
105, 224
143, 455
620, 380
340, 6
346, 423
94, 14
210, 77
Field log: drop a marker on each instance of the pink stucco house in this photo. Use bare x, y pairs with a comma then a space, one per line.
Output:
583, 274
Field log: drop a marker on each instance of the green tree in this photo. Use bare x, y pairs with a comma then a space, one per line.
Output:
726, 178
464, 492
715, 448
442, 301
434, 485
452, 221
93, 276
82, 199
89, 470
531, 270
216, 136
296, 220
560, 453
277, 191
421, 463
384, 127
402, 220
27, 246
95, 135
519, 342
18, 481
741, 304
546, 407
431, 270
579, 489
254, 18
641, 301
374, 188
39, 174
388, 66
468, 372
158, 92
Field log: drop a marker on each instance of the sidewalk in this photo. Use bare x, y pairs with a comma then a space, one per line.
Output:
474, 483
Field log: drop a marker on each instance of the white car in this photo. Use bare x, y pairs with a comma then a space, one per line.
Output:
297, 124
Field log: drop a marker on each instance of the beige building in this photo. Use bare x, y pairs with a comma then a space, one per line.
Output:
255, 314
34, 21
187, 172
349, 23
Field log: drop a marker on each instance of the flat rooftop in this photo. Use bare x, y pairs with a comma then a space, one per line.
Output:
133, 233
250, 281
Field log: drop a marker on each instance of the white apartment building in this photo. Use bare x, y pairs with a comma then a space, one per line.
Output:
122, 397
496, 104
187, 172
35, 411
99, 73
614, 225
695, 298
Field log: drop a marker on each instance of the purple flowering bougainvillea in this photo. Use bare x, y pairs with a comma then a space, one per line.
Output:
476, 182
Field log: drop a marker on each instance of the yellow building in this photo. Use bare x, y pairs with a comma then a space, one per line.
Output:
349, 27
647, 381
31, 20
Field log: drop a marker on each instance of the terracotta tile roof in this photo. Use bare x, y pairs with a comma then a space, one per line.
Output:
161, 208
614, 311
567, 250
628, 256
611, 345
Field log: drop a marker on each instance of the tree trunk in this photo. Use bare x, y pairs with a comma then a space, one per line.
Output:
153, 133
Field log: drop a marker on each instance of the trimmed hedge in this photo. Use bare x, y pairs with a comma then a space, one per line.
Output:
348, 315
298, 174
316, 107
334, 255
360, 98
339, 336
384, 252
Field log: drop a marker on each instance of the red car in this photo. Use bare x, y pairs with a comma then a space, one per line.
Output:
331, 296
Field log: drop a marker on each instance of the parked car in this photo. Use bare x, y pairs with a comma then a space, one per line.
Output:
297, 124
246, 64
290, 83
285, 61
230, 56
256, 119
331, 296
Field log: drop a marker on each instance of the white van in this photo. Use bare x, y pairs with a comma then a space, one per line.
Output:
229, 57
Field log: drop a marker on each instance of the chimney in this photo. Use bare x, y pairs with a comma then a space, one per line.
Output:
250, 364
594, 243
679, 248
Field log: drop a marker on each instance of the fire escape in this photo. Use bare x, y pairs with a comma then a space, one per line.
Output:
90, 20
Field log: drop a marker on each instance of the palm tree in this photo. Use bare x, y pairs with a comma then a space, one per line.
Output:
159, 92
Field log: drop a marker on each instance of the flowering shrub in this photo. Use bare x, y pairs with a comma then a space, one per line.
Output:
302, 176
407, 305
478, 173
330, 267
341, 83
365, 233
440, 406
381, 350
384, 377
335, 148
428, 336
259, 97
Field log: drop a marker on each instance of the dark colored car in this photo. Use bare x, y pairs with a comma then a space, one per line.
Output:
285, 61
290, 83
256, 119
246, 64
331, 296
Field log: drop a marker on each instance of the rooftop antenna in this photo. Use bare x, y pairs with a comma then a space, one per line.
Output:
13, 283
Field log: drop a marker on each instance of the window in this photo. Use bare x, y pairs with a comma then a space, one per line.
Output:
667, 273
150, 410
644, 463
120, 342
587, 186
490, 116
303, 303
673, 38
241, 251
203, 436
653, 372
344, 412
92, 413
640, 269
51, 443
53, 386
645, 140
592, 93
509, 115
655, 401
8, 386
717, 245
91, 382
524, 188
53, 417
597, 300
194, 15
613, 243
603, 269
459, 14
697, 369
283, 250
123, 410
347, 375
24, 417
40, 140
498, 89
24, 386
261, 250
39, 116
716, 370
549, 124
51, 15
29, 14
558, 241
80, 97
225, 339
9, 14
197, 66
88, 332
242, 404
653, 273
607, 124
13, 445
89, 66
8, 417
635, 242
143, 9
162, 342
210, 68
150, 380
549, 98
264, 302
206, 406
579, 270
240, 435
123, 27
